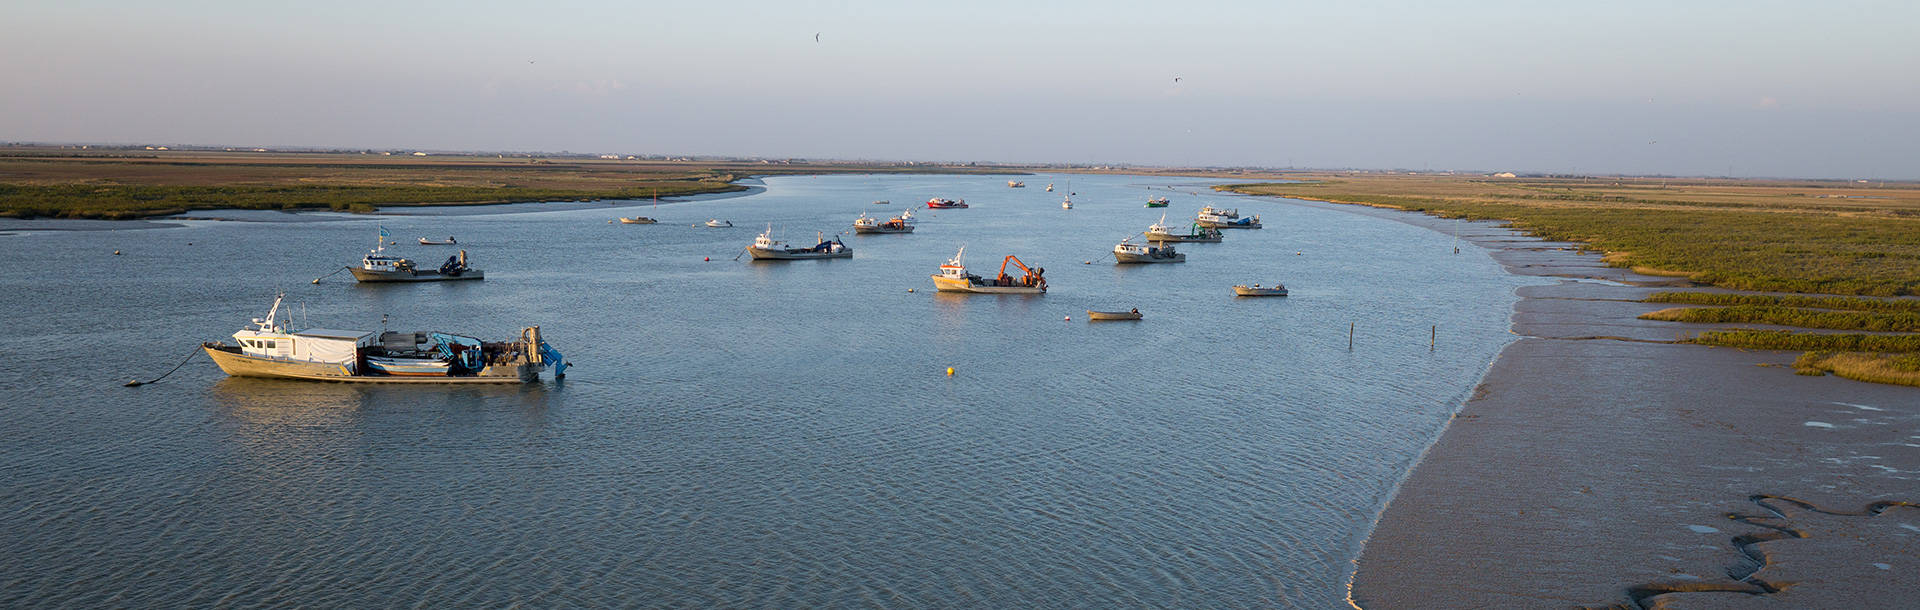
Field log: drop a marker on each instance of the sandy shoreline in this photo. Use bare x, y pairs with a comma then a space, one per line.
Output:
1600, 465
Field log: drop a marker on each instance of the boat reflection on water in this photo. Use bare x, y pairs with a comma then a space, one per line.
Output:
273, 403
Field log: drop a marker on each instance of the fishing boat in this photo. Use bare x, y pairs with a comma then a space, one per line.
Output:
1257, 290
1221, 212
637, 220
942, 203
378, 266
898, 224
1218, 222
1127, 252
953, 277
1049, 187
436, 242
1162, 232
1113, 315
766, 248
719, 224
1158, 202
1016, 184
882, 202
271, 348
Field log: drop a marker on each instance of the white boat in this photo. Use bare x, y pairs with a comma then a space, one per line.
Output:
1162, 232
1016, 184
1225, 219
898, 224
953, 277
272, 349
766, 248
943, 203
436, 242
378, 266
1049, 187
719, 224
1257, 290
1221, 212
1066, 203
1127, 252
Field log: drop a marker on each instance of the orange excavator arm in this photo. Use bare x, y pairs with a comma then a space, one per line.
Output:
1016, 262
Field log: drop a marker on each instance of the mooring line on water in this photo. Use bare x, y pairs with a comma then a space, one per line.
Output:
342, 268
183, 362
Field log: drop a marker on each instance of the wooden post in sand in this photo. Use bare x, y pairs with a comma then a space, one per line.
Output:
1349, 336
1433, 336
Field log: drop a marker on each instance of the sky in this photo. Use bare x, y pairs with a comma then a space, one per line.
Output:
1783, 89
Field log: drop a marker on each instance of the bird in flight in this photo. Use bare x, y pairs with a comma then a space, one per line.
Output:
816, 37
1176, 79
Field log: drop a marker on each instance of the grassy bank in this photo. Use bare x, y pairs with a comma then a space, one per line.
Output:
1791, 316
116, 202
43, 184
1812, 302
1901, 369
1757, 235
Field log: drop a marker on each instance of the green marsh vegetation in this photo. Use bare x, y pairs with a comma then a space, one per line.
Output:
1791, 316
50, 183
1806, 237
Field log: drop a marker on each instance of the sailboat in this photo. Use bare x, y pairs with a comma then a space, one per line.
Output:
643, 220
1066, 203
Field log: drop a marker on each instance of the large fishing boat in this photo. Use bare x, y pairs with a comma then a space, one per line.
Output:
1158, 202
898, 224
953, 277
1225, 219
378, 266
272, 349
1256, 290
943, 203
1162, 232
1127, 252
765, 247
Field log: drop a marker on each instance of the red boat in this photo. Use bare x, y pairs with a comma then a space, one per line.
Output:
941, 203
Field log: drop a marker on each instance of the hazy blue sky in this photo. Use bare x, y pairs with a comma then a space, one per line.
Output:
1822, 89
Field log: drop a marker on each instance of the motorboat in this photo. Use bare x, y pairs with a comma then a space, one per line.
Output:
1158, 202
953, 277
1221, 212
1016, 184
1162, 232
765, 247
719, 224
1127, 252
882, 202
378, 266
271, 348
898, 224
637, 220
1113, 315
1221, 222
942, 203
1049, 187
1257, 290
437, 242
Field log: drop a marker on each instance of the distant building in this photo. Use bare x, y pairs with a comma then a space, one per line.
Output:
419, 154
1505, 175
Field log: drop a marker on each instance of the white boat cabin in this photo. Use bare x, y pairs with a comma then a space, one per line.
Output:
271, 338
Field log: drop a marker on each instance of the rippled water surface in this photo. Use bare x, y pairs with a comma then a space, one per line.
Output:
739, 433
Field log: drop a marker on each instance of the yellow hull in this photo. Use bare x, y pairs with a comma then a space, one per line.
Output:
947, 284
240, 365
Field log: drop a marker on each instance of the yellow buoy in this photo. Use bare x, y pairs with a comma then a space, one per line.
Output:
949, 371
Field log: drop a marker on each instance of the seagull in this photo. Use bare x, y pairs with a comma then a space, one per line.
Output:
816, 37
1176, 79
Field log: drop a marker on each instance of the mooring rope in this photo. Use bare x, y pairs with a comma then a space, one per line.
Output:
342, 268
183, 362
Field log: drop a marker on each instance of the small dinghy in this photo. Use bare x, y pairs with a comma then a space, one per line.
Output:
719, 224
1112, 315
637, 220
1257, 290
435, 242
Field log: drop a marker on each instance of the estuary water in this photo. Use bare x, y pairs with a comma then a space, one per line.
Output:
738, 433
